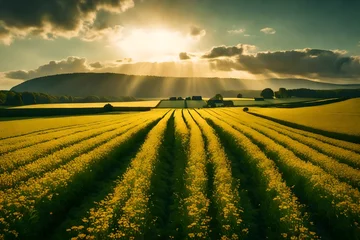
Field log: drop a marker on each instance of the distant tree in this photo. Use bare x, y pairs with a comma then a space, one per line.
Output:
104, 99
64, 99
28, 98
42, 98
239, 95
267, 93
245, 109
108, 107
283, 93
91, 99
2, 97
277, 94
217, 97
13, 99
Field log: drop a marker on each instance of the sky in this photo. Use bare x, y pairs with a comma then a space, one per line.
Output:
317, 40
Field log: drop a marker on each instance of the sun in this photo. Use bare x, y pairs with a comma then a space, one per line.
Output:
154, 44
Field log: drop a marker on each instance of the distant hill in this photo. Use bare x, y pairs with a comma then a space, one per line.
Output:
112, 84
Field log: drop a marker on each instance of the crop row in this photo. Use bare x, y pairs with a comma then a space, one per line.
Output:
26, 207
129, 199
345, 152
332, 166
284, 213
51, 161
333, 200
11, 144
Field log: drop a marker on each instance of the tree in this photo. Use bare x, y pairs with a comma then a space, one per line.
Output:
91, 99
267, 93
28, 98
13, 99
63, 99
108, 107
42, 98
217, 97
239, 95
283, 93
2, 97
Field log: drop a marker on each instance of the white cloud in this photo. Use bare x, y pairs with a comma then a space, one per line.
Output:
236, 31
268, 30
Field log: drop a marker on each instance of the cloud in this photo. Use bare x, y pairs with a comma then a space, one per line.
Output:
184, 56
268, 30
6, 83
236, 31
51, 19
227, 51
96, 65
110, 33
313, 63
69, 65
246, 35
124, 60
197, 32
220, 61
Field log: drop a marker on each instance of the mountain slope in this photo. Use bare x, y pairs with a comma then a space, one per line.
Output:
111, 84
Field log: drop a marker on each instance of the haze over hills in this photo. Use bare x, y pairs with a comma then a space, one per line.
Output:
112, 84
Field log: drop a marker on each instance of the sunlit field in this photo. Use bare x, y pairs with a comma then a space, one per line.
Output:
152, 103
176, 174
342, 117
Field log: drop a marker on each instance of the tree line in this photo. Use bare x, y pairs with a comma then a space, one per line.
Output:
268, 93
11, 98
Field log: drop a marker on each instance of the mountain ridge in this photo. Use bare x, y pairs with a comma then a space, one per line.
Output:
115, 84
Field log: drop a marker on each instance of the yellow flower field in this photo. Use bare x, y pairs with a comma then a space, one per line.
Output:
342, 117
178, 174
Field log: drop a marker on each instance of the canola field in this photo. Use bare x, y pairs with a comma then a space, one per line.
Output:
175, 174
342, 117
150, 103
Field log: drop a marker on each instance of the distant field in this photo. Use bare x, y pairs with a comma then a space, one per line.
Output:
182, 104
177, 174
250, 101
342, 117
152, 103
20, 126
172, 104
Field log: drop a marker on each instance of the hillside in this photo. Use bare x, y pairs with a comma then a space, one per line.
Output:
111, 84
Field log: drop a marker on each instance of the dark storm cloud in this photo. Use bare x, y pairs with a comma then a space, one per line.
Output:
224, 51
306, 62
69, 65
184, 56
55, 16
